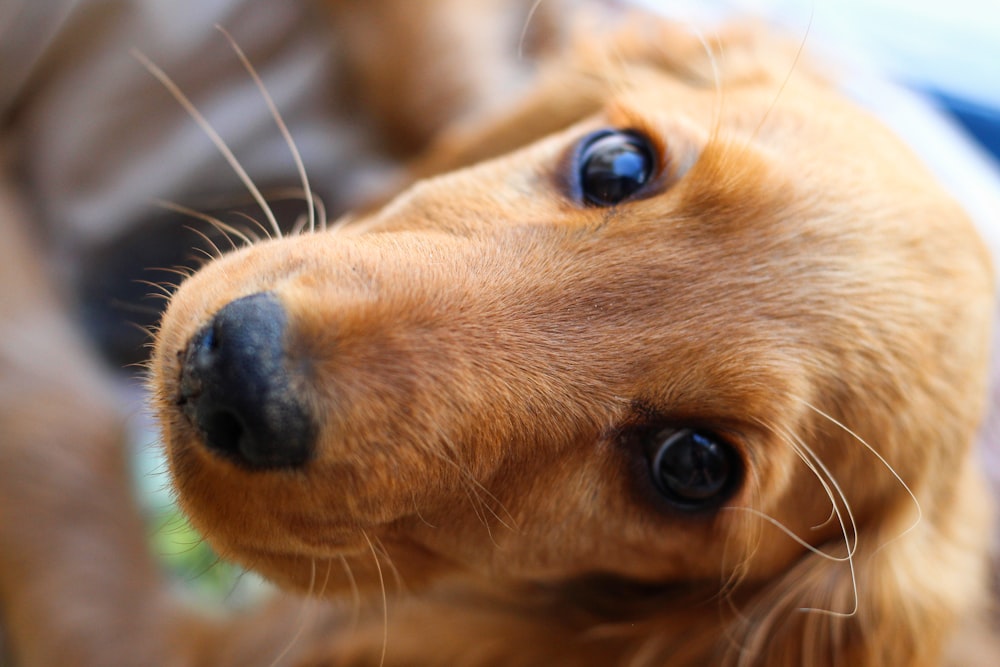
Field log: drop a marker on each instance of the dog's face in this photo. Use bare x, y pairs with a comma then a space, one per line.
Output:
650, 345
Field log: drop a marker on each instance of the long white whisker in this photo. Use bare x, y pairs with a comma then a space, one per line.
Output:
164, 290
300, 622
524, 28
182, 271
355, 592
788, 75
892, 471
716, 78
385, 600
787, 531
299, 193
829, 481
397, 577
833, 491
207, 128
830, 484
210, 242
255, 223
300, 225
282, 127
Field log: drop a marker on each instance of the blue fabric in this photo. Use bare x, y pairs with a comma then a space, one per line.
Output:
980, 121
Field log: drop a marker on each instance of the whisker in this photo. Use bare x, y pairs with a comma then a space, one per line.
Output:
833, 491
416, 510
477, 507
299, 226
256, 224
524, 28
182, 271
355, 592
162, 290
226, 229
876, 454
207, 128
299, 193
819, 552
731, 580
321, 591
210, 242
791, 70
510, 523
204, 258
148, 332
789, 532
397, 577
307, 604
830, 484
282, 127
716, 79
474, 490
385, 600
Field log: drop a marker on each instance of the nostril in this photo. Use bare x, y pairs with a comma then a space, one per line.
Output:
224, 430
210, 343
193, 368
236, 388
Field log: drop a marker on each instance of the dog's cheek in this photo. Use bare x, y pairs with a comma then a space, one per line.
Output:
570, 514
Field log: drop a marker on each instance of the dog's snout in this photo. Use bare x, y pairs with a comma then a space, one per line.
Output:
237, 389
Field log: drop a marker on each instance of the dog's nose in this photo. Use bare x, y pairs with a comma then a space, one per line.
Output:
237, 389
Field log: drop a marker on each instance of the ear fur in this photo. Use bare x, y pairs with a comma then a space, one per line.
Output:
908, 588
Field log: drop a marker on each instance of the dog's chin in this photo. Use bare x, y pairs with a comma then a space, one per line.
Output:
304, 549
364, 570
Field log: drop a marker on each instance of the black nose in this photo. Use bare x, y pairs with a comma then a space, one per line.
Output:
236, 387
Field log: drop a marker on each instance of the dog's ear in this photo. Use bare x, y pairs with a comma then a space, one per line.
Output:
892, 603
414, 69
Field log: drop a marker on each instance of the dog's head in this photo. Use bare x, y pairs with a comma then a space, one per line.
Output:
679, 321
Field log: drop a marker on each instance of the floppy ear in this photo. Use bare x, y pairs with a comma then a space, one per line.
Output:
909, 589
447, 59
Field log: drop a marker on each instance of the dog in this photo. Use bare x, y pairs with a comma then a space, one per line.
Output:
679, 359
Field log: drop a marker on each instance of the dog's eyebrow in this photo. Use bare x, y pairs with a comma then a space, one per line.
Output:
625, 116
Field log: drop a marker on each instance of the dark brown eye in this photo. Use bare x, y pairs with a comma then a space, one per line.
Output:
614, 165
692, 468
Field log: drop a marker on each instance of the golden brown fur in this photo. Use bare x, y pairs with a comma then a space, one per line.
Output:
483, 352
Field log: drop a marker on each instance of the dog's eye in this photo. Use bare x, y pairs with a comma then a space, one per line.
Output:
693, 468
614, 165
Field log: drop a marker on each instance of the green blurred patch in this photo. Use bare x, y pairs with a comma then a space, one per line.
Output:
181, 550
187, 557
